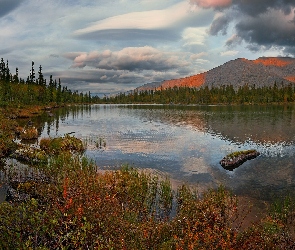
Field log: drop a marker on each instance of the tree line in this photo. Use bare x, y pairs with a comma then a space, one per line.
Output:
35, 89
227, 94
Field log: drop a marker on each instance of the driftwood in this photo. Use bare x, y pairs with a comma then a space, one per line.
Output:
234, 160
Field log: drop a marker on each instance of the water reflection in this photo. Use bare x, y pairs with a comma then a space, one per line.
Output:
261, 124
189, 142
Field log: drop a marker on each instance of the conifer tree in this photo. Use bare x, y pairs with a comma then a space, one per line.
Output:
15, 77
32, 74
2, 69
40, 77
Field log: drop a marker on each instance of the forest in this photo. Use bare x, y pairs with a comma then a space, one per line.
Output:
278, 93
35, 90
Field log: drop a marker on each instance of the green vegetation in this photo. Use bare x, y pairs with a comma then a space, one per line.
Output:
240, 153
214, 95
15, 91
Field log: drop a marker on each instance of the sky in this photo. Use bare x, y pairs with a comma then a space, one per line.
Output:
111, 46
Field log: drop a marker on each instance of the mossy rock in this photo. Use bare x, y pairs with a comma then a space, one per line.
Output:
235, 159
57, 145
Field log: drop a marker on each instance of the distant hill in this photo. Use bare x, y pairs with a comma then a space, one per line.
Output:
264, 71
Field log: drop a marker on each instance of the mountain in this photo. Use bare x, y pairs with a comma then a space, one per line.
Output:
264, 71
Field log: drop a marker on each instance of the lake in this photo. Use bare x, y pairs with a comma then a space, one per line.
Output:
187, 142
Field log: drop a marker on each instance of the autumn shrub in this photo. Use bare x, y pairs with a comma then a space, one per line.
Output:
79, 208
207, 222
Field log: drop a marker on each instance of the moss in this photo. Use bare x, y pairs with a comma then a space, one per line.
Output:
240, 153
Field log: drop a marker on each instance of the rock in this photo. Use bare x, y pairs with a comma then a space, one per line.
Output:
236, 159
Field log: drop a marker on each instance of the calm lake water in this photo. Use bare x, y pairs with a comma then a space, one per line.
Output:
187, 143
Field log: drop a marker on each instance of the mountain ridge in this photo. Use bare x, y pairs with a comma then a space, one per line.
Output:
264, 71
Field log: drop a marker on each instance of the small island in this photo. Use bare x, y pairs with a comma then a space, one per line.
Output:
235, 159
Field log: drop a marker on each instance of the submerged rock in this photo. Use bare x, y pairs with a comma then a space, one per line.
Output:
236, 159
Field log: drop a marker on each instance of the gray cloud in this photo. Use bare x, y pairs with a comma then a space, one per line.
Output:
107, 81
220, 24
233, 41
7, 6
130, 34
130, 59
260, 24
5, 51
136, 41
264, 31
254, 7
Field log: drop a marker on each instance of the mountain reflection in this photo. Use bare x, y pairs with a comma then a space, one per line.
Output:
260, 124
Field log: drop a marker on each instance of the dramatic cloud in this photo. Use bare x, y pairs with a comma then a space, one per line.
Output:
131, 59
165, 24
7, 6
254, 7
260, 24
271, 28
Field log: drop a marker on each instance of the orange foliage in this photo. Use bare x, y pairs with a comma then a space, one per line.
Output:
272, 61
290, 78
191, 81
